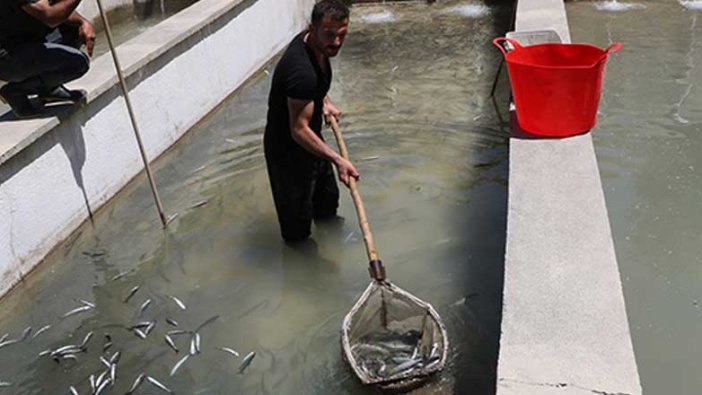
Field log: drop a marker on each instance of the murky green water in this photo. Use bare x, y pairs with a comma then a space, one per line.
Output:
415, 95
648, 144
128, 23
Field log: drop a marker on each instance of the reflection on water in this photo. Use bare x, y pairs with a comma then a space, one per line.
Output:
615, 6
416, 106
648, 144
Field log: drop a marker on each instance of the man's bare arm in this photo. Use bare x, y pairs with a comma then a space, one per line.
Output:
51, 15
301, 112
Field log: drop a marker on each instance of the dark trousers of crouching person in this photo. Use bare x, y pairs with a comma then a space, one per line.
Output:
36, 67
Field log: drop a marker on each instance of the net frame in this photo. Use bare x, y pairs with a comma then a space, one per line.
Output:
404, 380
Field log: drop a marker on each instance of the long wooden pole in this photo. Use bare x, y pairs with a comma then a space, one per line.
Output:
123, 83
377, 270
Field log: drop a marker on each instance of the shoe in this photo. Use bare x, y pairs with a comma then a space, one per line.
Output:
18, 101
62, 94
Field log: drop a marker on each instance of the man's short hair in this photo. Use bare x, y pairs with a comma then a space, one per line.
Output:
335, 9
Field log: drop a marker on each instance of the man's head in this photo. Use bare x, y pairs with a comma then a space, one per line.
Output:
330, 23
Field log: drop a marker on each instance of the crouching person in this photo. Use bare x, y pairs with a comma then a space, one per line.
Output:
39, 52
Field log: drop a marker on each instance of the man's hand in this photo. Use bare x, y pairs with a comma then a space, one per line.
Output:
346, 170
86, 31
330, 110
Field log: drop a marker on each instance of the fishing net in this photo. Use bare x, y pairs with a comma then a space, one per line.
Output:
392, 339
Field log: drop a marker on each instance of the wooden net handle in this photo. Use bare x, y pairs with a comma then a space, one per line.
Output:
376, 269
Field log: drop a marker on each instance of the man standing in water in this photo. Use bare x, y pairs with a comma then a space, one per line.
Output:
298, 159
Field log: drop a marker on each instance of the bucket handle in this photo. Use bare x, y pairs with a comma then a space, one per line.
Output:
611, 48
499, 40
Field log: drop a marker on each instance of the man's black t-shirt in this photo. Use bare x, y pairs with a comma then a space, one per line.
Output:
16, 26
297, 76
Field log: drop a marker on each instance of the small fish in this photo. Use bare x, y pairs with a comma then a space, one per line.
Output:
91, 379
86, 339
171, 344
193, 348
140, 325
177, 332
370, 157
8, 342
434, 350
25, 334
115, 357
139, 333
198, 204
136, 384
144, 306
171, 322
149, 328
197, 342
69, 349
94, 254
113, 373
4, 337
102, 386
108, 342
158, 384
5, 384
73, 390
405, 366
171, 218
246, 361
178, 302
432, 362
120, 275
131, 293
179, 364
45, 352
40, 331
98, 381
77, 311
229, 350
86, 303
105, 362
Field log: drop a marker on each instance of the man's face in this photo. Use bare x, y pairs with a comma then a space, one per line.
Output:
329, 35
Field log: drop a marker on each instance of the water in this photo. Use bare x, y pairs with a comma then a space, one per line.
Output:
470, 10
434, 181
648, 146
128, 23
615, 6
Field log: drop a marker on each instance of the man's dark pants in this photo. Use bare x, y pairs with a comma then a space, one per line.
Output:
301, 194
37, 67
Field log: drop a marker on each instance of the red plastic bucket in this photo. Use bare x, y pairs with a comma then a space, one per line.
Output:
556, 87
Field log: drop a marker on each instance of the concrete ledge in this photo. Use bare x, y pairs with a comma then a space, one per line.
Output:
55, 171
564, 324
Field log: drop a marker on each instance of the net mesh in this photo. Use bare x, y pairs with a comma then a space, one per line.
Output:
391, 338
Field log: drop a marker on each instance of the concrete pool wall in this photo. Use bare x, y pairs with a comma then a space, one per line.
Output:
55, 171
564, 321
